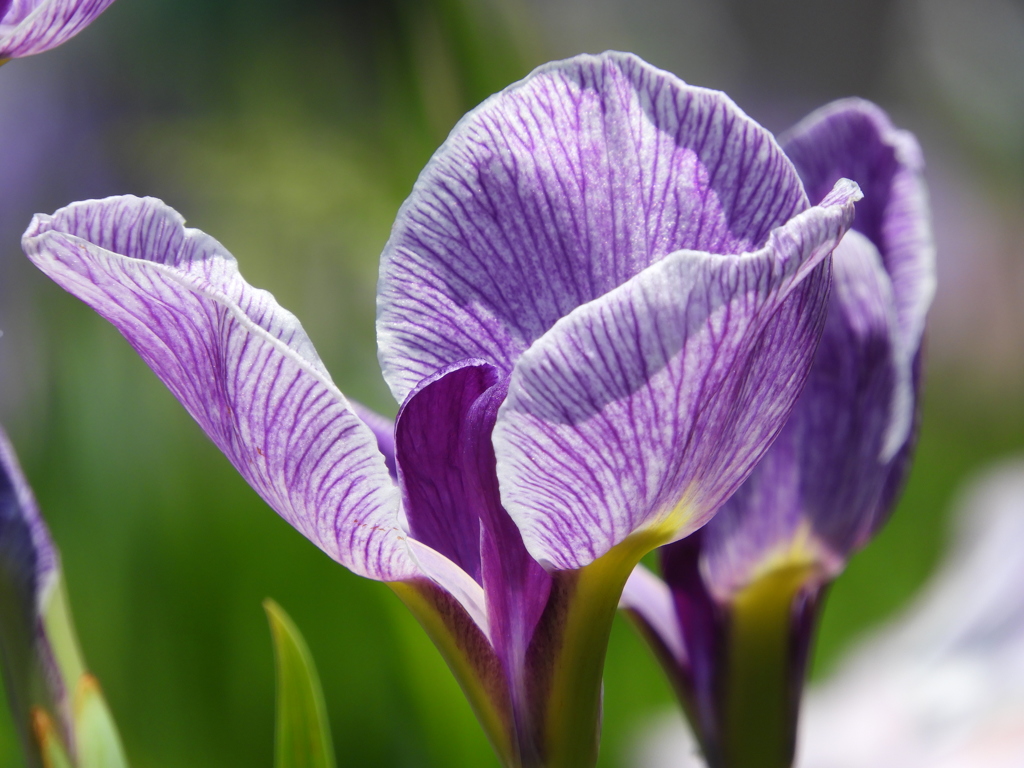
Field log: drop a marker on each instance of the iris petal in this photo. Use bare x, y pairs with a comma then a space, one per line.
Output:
556, 191
827, 469
853, 138
432, 466
239, 363
34, 26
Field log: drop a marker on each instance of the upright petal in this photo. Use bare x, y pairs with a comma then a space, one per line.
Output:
239, 363
559, 189
854, 139
650, 405
34, 26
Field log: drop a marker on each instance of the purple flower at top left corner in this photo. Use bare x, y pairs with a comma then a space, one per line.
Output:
28, 27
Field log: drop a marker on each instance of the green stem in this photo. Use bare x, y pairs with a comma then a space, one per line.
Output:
765, 669
574, 705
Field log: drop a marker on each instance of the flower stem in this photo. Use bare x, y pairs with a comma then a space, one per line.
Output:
766, 638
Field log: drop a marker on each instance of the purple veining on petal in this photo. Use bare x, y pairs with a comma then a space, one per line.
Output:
833, 474
855, 389
666, 390
586, 172
240, 364
837, 468
33, 26
853, 138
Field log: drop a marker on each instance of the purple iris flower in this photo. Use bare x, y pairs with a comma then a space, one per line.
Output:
745, 590
596, 308
34, 26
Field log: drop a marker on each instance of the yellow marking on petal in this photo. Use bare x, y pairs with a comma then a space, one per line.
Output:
803, 550
574, 705
496, 723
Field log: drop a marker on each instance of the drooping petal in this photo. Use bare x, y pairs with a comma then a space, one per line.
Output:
239, 363
651, 404
556, 191
34, 26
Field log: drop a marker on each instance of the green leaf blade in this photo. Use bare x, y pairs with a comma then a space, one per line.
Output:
303, 734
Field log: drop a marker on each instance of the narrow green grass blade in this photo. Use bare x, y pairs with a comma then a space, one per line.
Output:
303, 735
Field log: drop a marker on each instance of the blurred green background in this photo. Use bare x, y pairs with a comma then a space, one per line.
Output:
292, 132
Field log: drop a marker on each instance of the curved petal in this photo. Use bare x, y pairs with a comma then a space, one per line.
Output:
557, 190
27, 554
239, 363
854, 139
34, 26
650, 405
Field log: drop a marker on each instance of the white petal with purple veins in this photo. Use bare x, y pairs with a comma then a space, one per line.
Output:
240, 364
559, 189
34, 26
